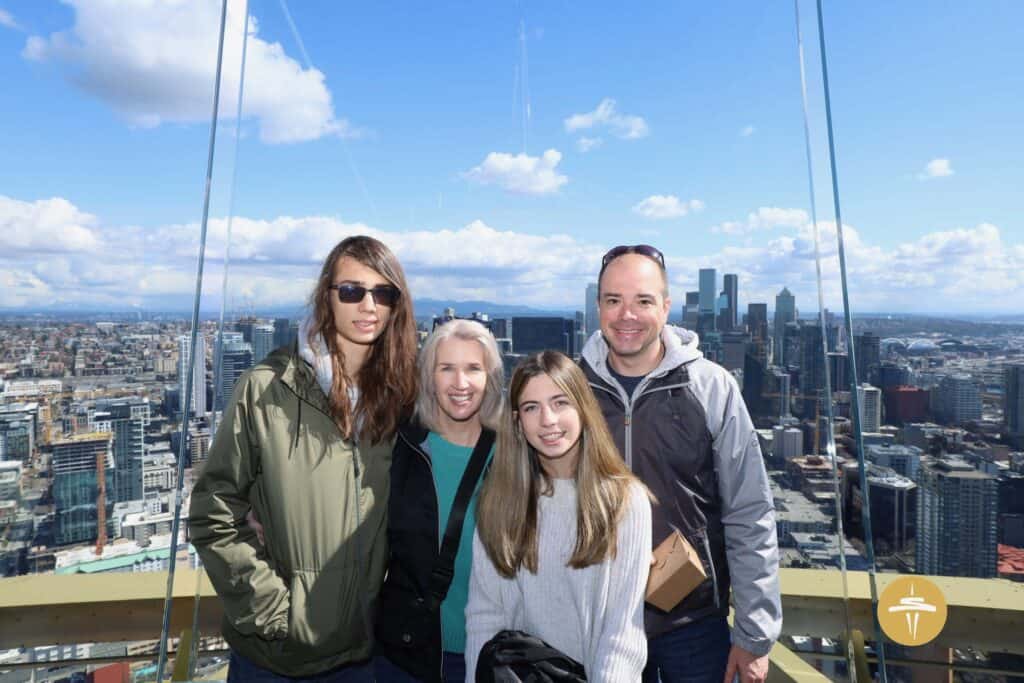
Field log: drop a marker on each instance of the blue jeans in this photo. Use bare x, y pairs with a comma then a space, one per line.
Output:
241, 670
694, 653
453, 669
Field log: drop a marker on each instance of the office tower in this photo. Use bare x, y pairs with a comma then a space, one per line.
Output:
235, 358
530, 335
17, 434
706, 288
787, 443
812, 368
905, 404
904, 460
785, 312
870, 400
730, 287
127, 419
754, 369
956, 520
838, 367
957, 400
894, 500
199, 373
867, 348
781, 392
579, 329
734, 349
501, 328
246, 326
1011, 508
1013, 404
757, 322
76, 485
10, 480
283, 335
593, 317
891, 375
691, 311
262, 342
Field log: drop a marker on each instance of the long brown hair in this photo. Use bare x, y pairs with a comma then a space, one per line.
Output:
507, 509
387, 379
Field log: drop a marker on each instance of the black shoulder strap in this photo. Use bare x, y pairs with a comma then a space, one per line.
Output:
444, 568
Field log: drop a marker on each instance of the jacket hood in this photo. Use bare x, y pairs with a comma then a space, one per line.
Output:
680, 347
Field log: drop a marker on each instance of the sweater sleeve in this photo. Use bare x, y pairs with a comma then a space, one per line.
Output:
620, 652
487, 611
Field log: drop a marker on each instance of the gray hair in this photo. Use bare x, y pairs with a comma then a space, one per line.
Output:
427, 407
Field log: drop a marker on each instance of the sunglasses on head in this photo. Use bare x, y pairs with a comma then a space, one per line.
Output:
383, 295
642, 249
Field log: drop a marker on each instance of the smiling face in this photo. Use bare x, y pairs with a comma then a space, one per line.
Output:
358, 325
551, 425
633, 310
460, 380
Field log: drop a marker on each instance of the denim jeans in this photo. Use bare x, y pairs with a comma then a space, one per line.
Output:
241, 670
453, 669
694, 653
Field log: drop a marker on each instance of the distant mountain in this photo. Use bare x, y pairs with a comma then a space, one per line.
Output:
427, 307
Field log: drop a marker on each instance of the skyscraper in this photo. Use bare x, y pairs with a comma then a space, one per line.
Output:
870, 400
706, 287
127, 419
262, 342
956, 520
198, 406
76, 485
530, 335
1013, 403
282, 332
785, 312
757, 322
592, 322
691, 311
730, 287
958, 400
867, 346
235, 358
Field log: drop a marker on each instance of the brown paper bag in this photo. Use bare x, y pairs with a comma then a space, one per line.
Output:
677, 570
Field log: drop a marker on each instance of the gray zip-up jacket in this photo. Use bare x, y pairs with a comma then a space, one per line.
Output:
687, 434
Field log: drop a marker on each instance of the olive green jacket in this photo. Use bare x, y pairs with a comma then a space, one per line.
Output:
301, 604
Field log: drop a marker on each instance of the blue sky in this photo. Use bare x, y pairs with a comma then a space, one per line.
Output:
675, 124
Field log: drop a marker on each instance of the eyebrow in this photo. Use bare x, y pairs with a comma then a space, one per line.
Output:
550, 398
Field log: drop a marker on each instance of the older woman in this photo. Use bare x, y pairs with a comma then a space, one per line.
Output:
421, 633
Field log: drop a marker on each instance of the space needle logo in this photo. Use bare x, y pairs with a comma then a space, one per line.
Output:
912, 610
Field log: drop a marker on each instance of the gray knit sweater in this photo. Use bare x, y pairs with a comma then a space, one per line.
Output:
595, 615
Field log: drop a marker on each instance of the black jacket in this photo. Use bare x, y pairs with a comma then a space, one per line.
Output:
408, 626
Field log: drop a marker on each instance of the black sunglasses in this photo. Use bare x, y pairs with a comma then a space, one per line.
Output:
383, 295
642, 249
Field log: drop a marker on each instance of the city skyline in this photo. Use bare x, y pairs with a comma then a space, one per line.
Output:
532, 167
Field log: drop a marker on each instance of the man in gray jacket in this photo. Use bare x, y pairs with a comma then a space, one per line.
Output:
681, 424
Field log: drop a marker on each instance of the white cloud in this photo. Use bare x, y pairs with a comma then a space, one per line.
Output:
585, 144
765, 218
606, 116
154, 62
937, 168
520, 173
8, 21
55, 253
659, 206
747, 131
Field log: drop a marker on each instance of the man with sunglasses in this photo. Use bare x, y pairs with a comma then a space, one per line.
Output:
682, 427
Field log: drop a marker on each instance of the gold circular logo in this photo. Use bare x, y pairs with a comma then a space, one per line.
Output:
912, 610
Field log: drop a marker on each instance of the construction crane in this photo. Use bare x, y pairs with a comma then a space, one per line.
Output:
101, 501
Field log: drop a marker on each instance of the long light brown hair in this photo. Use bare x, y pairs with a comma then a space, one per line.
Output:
507, 509
387, 379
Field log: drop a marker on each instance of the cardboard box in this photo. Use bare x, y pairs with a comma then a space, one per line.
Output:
677, 570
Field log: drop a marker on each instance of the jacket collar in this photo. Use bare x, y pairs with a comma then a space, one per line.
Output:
680, 348
297, 375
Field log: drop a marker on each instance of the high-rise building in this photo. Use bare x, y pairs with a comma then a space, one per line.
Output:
262, 342
893, 508
1013, 404
706, 287
235, 358
785, 312
76, 485
957, 400
530, 335
905, 404
787, 443
580, 329
592, 322
757, 322
246, 326
867, 348
126, 419
904, 460
870, 400
734, 350
1011, 508
730, 284
198, 406
283, 332
691, 311
17, 434
956, 520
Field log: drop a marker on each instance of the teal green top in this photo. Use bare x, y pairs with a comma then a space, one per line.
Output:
449, 462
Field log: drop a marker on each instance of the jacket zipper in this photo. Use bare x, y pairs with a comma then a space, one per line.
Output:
711, 564
437, 506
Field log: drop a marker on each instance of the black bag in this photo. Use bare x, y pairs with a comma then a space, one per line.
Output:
517, 657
